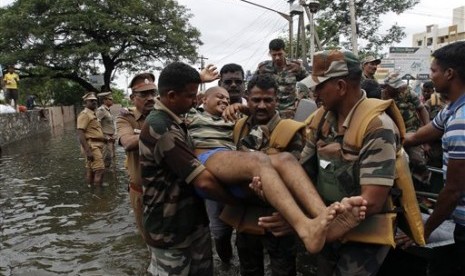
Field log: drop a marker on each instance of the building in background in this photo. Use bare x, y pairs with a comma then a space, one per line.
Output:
435, 37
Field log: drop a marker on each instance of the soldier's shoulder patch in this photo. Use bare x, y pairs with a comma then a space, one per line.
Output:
159, 121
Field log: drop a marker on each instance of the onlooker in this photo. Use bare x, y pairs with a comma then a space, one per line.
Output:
369, 67
337, 169
30, 102
448, 76
415, 115
434, 102
286, 73
107, 122
92, 140
129, 124
11, 80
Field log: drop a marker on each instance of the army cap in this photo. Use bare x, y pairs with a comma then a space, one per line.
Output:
147, 84
394, 80
89, 96
105, 95
368, 59
330, 64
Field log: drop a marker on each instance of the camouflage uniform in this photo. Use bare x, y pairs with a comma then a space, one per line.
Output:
174, 216
249, 246
408, 103
340, 175
434, 157
286, 79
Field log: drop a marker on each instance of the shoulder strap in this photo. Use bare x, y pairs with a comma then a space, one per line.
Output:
284, 132
366, 111
240, 128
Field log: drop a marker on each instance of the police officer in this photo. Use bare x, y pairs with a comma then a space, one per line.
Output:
108, 126
92, 140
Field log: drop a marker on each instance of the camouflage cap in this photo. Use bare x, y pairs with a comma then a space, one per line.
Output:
371, 59
330, 64
394, 80
89, 96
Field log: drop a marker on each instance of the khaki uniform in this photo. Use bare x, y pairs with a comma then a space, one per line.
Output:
130, 124
88, 122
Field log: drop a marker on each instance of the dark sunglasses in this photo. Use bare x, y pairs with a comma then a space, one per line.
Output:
229, 82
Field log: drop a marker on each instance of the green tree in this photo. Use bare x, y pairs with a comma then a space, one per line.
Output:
333, 21
68, 39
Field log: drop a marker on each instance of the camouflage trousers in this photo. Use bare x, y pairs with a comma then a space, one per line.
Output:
417, 163
196, 260
351, 259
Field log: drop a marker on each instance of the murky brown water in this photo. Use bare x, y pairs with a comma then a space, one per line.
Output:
51, 223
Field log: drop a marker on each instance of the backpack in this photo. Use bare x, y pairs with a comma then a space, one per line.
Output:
280, 137
379, 228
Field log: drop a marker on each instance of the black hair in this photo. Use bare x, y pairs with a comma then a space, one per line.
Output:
452, 56
263, 81
231, 68
176, 76
428, 85
372, 88
277, 44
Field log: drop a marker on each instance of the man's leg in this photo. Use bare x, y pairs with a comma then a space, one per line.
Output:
250, 252
98, 165
297, 182
89, 176
220, 231
282, 252
232, 167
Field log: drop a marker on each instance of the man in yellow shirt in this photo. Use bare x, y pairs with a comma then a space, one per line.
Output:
11, 80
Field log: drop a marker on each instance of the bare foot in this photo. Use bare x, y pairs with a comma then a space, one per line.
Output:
354, 212
313, 234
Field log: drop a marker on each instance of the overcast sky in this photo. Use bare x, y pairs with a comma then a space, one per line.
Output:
234, 31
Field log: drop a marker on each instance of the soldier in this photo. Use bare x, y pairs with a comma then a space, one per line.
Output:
107, 122
369, 67
337, 169
286, 73
92, 140
415, 115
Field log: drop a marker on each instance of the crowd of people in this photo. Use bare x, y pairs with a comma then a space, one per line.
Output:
235, 160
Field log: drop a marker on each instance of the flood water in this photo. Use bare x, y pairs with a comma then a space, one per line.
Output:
52, 223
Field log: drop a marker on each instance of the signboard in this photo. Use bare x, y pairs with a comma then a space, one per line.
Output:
413, 61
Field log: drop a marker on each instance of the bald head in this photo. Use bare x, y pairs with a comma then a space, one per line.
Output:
216, 100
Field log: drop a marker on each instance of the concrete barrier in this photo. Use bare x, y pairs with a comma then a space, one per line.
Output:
16, 126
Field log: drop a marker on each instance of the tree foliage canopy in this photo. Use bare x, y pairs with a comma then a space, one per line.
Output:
73, 39
333, 21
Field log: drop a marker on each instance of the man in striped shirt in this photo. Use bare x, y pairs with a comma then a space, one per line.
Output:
448, 76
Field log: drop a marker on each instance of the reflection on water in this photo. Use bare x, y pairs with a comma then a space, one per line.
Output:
51, 223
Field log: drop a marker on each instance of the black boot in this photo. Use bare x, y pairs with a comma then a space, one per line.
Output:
224, 248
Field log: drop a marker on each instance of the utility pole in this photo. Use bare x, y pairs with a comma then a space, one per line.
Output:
285, 16
202, 66
353, 27
311, 7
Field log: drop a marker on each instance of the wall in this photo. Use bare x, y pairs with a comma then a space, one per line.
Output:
16, 126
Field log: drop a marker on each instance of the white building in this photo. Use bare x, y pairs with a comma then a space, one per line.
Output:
435, 37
